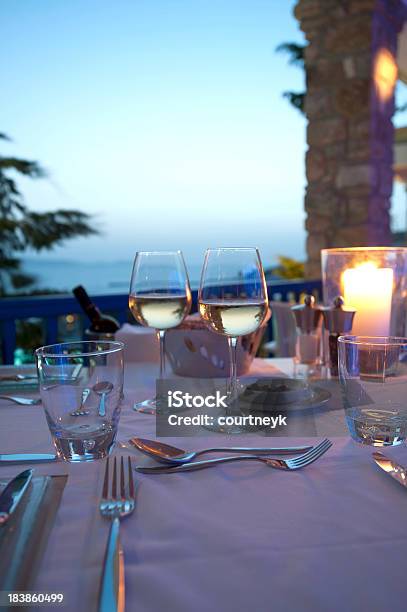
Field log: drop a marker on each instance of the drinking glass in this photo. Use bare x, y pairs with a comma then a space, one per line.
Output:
160, 297
373, 377
233, 302
81, 385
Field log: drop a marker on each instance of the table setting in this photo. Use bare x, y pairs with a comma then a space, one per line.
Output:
100, 505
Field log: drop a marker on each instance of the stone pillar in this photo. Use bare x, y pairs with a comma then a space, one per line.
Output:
350, 74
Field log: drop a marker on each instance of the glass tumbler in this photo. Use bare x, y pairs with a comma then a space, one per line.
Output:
81, 385
373, 378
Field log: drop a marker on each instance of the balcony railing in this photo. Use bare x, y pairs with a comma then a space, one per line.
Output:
50, 308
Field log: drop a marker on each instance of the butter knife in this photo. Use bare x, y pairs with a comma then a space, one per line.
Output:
27, 458
396, 471
13, 493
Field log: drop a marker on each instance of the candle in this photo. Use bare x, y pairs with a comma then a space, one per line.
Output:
368, 290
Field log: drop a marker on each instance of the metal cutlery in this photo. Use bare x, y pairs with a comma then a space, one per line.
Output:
21, 401
102, 389
81, 411
18, 377
27, 458
392, 468
165, 453
114, 505
295, 463
13, 493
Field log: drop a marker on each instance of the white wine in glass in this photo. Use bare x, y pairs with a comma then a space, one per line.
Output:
159, 311
233, 317
233, 302
159, 297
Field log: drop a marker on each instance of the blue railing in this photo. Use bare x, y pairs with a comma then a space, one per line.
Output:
49, 308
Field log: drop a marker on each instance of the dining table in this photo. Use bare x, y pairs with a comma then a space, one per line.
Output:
237, 537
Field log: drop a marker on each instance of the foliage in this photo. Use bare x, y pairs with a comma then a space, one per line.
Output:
30, 334
295, 52
22, 228
289, 268
296, 58
297, 100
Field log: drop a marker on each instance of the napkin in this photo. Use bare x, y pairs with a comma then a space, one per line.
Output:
140, 343
24, 536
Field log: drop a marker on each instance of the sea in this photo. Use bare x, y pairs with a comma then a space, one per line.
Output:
98, 277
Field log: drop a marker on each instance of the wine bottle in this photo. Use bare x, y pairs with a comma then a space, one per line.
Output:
99, 323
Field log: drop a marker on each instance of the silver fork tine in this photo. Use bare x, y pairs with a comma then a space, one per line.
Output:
320, 450
122, 484
309, 454
131, 481
105, 491
114, 483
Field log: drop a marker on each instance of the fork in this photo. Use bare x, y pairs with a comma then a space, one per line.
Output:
115, 505
279, 464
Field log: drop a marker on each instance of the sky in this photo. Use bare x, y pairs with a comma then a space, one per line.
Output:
164, 119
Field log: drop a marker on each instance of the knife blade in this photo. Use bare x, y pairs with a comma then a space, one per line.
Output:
13, 493
396, 471
27, 458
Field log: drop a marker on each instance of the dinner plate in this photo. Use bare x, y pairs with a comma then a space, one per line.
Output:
285, 395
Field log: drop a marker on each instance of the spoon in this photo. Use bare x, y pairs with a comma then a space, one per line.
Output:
102, 388
165, 453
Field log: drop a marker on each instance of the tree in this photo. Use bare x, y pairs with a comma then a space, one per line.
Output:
22, 228
296, 58
289, 268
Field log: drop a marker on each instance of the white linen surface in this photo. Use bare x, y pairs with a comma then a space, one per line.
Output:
233, 538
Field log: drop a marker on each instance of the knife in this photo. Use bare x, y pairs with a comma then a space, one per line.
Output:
13, 493
18, 377
27, 458
396, 471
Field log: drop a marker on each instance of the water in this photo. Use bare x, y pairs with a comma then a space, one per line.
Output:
98, 277
83, 442
377, 427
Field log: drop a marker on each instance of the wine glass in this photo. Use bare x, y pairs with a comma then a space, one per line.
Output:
160, 297
233, 302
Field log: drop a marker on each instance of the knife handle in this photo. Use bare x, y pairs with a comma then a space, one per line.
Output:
112, 592
27, 458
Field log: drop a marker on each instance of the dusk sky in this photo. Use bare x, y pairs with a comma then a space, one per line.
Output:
163, 118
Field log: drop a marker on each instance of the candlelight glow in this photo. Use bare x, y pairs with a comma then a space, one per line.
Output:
368, 290
385, 74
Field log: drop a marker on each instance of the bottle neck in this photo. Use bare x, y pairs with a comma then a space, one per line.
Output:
93, 312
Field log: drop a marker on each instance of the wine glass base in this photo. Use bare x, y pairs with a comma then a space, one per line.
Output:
148, 406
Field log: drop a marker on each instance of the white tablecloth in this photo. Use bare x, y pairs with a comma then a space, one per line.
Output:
234, 538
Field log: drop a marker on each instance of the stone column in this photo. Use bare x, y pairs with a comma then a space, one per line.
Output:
350, 74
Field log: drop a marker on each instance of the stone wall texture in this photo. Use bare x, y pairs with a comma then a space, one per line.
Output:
350, 131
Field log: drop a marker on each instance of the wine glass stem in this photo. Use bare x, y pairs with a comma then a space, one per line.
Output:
232, 391
161, 339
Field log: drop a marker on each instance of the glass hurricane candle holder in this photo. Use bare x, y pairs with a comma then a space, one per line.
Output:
372, 281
